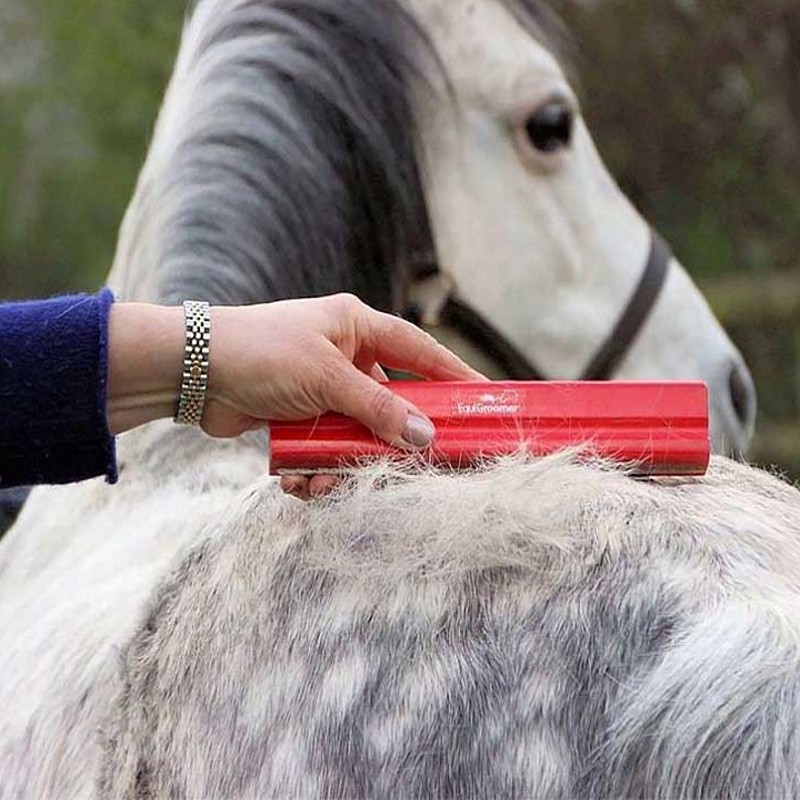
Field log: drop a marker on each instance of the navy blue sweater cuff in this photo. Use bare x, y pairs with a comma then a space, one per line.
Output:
53, 391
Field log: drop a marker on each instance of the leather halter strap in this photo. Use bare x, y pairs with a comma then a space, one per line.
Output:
454, 313
607, 359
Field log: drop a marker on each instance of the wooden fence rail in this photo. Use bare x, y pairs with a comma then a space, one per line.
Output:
755, 299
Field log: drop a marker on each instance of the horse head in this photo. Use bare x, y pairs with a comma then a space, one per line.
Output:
428, 156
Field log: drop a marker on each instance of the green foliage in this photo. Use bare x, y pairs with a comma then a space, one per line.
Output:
76, 135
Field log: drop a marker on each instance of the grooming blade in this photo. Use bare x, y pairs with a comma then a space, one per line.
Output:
653, 427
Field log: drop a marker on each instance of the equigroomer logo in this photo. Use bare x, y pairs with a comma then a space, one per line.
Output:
505, 402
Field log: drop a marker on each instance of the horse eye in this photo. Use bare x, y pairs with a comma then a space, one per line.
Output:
550, 128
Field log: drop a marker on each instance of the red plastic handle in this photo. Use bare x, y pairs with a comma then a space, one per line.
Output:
659, 428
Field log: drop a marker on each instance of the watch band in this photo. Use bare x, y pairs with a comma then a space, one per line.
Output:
194, 378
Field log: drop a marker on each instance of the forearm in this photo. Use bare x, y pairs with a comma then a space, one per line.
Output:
145, 358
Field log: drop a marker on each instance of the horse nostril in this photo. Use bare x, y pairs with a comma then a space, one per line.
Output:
743, 396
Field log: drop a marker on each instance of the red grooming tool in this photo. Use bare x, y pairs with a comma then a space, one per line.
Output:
658, 428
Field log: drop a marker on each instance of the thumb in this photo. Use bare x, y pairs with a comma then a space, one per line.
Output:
389, 416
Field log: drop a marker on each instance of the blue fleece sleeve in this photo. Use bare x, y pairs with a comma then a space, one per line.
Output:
53, 376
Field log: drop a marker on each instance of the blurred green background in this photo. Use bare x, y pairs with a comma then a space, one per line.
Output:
694, 105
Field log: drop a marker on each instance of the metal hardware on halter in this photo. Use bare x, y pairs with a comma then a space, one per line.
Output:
432, 301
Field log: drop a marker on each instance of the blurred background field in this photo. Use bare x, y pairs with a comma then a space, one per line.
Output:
694, 105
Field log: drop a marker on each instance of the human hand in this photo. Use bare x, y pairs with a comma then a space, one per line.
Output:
292, 359
297, 359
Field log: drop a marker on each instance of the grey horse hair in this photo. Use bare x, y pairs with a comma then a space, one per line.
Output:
294, 172
543, 629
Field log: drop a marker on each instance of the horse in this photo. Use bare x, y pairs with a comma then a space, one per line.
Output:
547, 627
503, 220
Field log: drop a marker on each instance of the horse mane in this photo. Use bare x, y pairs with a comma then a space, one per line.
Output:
283, 161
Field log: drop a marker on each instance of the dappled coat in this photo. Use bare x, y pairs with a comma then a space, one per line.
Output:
535, 629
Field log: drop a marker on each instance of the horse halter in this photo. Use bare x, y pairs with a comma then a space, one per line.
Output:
433, 301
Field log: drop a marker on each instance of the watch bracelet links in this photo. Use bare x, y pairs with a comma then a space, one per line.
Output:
194, 377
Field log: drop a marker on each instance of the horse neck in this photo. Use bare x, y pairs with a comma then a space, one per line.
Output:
274, 175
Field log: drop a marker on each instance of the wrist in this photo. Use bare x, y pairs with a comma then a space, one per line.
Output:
146, 345
219, 355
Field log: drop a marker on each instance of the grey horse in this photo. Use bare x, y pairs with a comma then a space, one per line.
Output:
547, 628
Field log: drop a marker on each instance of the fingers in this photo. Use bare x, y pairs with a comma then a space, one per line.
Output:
358, 388
305, 488
320, 485
389, 416
296, 485
400, 345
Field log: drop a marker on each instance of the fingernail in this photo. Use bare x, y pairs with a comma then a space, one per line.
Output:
418, 432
